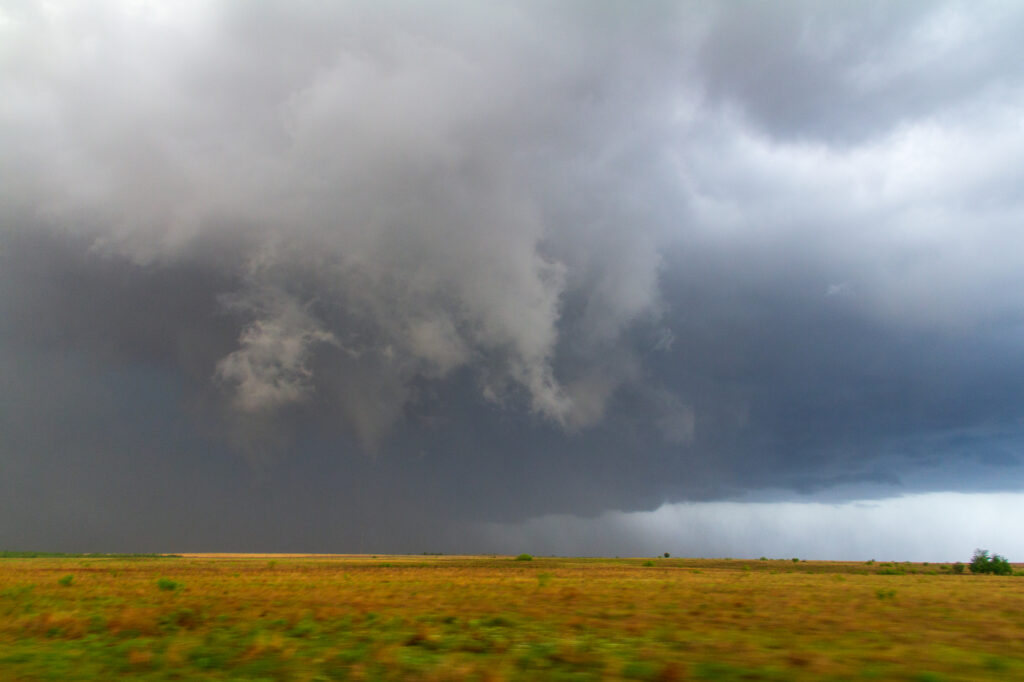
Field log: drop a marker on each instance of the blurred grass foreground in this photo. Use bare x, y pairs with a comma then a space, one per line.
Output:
291, 617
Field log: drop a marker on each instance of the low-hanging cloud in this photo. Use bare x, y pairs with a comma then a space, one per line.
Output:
933, 527
271, 368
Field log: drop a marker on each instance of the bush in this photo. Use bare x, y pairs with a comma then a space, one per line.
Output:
67, 580
795, 560
168, 585
648, 563
1000, 566
524, 557
667, 555
958, 567
982, 562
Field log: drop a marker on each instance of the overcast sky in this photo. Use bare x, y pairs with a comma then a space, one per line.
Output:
572, 277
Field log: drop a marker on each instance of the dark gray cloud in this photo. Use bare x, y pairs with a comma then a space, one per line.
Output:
304, 276
853, 70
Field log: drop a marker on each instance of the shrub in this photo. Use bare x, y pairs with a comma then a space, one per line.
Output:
795, 560
168, 585
648, 563
667, 555
958, 567
982, 562
67, 580
524, 557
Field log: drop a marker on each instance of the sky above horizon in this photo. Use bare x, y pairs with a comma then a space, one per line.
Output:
717, 279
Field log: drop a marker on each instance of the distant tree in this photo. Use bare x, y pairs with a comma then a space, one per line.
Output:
667, 555
982, 562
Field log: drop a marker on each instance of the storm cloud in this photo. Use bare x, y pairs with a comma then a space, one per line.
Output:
357, 276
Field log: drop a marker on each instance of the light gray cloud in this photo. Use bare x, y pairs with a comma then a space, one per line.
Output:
938, 527
395, 163
271, 368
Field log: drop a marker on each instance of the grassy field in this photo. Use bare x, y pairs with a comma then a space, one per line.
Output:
253, 617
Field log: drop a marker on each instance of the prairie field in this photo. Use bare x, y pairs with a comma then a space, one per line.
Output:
494, 618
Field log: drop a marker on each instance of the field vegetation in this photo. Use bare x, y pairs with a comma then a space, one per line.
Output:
263, 617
